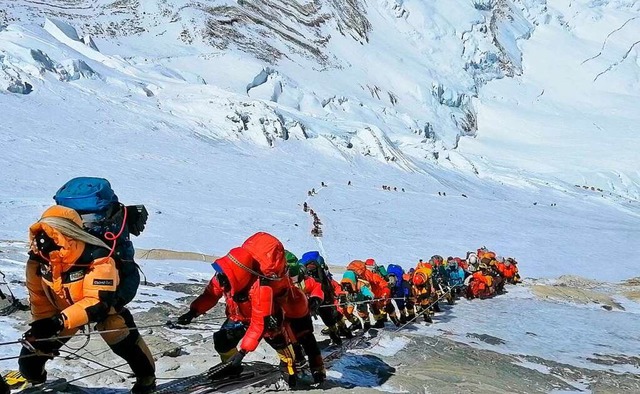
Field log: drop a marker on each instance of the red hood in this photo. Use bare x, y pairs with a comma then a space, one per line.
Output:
240, 278
269, 252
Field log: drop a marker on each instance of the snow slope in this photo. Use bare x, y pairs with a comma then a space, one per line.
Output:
573, 114
148, 130
509, 124
444, 83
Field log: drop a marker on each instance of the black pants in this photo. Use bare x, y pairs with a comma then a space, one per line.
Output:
329, 314
4, 387
303, 330
121, 336
232, 332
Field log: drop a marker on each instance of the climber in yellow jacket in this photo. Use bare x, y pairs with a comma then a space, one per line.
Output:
72, 280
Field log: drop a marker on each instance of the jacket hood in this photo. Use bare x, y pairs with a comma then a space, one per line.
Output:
268, 251
358, 266
290, 257
232, 265
395, 270
70, 248
350, 277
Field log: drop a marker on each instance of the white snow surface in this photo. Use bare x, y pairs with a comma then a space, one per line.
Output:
219, 144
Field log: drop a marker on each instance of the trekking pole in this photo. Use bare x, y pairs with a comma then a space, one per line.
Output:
11, 343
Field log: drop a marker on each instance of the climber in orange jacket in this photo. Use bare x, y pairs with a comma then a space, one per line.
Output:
480, 284
261, 302
379, 287
509, 270
72, 280
421, 293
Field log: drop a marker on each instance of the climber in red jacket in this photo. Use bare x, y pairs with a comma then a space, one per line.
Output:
261, 302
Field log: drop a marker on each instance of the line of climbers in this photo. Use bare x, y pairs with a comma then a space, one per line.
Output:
316, 231
370, 290
391, 188
81, 271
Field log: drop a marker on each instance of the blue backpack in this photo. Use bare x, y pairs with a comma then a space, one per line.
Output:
102, 213
97, 204
321, 274
397, 271
86, 195
313, 256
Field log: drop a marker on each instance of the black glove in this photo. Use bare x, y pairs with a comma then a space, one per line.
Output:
187, 317
314, 305
45, 328
236, 359
137, 216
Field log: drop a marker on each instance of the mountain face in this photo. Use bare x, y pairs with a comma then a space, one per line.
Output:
408, 82
422, 127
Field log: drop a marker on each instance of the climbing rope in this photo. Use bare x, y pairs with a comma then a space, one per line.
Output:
415, 317
15, 305
107, 369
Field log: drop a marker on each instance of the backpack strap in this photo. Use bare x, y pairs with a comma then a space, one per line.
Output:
92, 253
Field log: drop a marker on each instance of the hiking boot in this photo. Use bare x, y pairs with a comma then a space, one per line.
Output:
427, 318
403, 318
291, 380
319, 377
4, 387
335, 338
436, 307
367, 326
378, 324
144, 385
33, 379
345, 332
356, 326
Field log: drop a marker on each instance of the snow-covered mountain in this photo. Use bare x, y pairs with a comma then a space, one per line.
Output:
403, 81
506, 123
